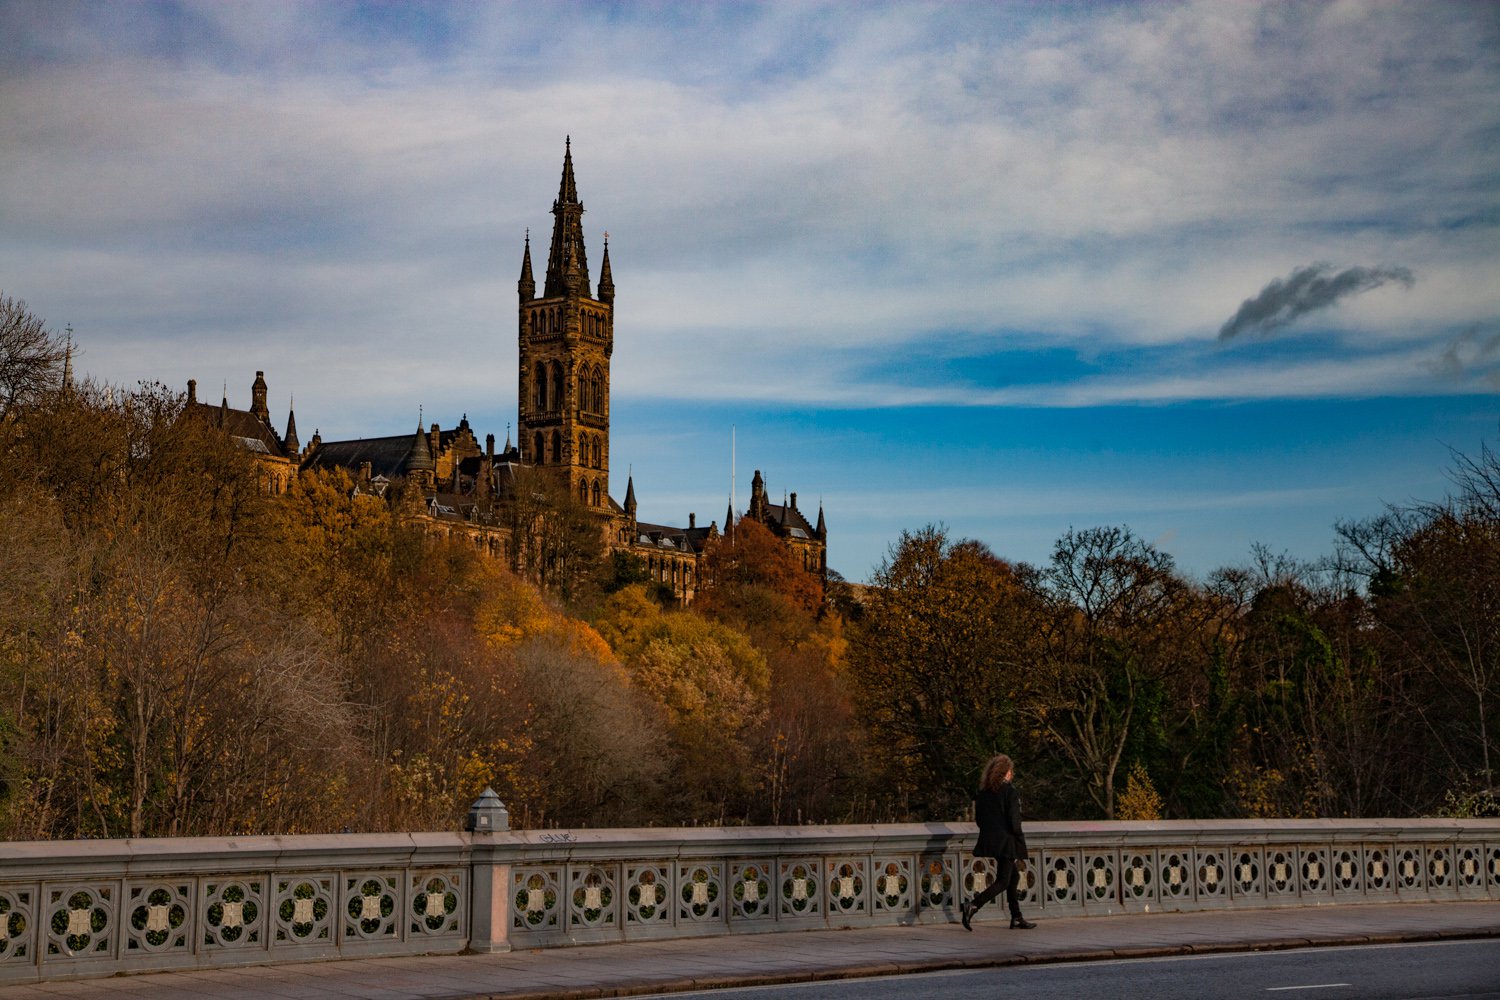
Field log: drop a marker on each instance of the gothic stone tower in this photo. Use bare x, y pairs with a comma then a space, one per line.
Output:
566, 339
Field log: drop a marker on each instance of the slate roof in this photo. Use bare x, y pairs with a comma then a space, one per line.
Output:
387, 455
667, 537
788, 520
249, 431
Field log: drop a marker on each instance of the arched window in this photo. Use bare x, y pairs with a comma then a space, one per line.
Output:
538, 455
598, 461
557, 455
583, 492
540, 387
557, 385
596, 493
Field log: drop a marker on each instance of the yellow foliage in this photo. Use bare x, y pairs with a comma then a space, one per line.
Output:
1140, 800
513, 611
629, 619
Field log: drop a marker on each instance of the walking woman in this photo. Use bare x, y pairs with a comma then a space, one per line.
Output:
997, 810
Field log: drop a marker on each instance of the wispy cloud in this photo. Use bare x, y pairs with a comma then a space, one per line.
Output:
1472, 356
1307, 289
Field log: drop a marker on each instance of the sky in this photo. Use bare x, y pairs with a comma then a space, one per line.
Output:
1224, 273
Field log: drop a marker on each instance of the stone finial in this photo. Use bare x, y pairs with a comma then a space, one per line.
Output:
488, 814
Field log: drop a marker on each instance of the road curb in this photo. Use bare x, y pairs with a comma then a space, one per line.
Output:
869, 971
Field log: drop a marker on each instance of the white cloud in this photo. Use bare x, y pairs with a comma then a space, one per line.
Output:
789, 182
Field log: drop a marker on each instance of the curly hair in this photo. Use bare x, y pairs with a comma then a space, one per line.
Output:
994, 773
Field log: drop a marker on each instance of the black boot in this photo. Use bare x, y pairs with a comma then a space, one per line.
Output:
966, 914
1018, 922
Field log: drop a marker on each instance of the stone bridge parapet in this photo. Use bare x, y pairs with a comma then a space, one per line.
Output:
75, 909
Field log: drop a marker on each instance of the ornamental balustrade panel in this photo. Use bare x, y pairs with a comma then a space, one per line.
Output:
1061, 882
939, 875
1380, 870
751, 898
1469, 871
1101, 880
893, 886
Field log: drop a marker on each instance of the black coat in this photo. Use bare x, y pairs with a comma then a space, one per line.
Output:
998, 814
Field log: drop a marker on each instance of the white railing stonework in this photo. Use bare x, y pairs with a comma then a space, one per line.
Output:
77, 909
94, 908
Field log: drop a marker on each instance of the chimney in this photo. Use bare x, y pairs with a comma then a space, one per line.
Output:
489, 446
692, 521
794, 501
192, 391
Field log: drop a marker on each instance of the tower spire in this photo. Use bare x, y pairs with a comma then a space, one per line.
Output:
290, 441
567, 250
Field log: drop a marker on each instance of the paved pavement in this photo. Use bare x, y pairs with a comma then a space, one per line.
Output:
616, 970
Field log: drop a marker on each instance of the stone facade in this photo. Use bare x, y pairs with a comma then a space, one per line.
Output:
565, 339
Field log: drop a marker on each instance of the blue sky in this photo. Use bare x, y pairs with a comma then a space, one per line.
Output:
1223, 272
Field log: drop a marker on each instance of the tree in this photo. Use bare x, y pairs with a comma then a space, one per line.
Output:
1112, 603
1433, 574
555, 540
757, 583
31, 359
711, 684
597, 744
939, 661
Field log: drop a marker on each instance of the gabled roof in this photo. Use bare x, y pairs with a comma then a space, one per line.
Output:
249, 431
788, 521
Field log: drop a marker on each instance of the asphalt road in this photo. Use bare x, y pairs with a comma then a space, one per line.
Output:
1380, 972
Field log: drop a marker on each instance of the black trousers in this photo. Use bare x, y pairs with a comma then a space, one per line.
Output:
1008, 881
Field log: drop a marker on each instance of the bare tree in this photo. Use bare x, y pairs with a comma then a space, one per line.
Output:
30, 358
1116, 606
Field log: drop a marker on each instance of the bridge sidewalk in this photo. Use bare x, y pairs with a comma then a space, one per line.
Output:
760, 959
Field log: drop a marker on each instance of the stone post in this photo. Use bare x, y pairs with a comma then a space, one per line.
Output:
489, 875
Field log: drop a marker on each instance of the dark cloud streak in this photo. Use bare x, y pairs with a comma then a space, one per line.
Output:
1307, 289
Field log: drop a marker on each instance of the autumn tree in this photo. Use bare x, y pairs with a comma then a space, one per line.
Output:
757, 583
940, 660
810, 749
135, 709
711, 683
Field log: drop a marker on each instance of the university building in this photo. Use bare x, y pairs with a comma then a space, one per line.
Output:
457, 486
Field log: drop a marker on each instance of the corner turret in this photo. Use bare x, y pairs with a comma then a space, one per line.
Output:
606, 279
526, 287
